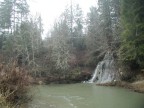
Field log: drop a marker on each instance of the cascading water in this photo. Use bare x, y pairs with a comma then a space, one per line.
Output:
105, 71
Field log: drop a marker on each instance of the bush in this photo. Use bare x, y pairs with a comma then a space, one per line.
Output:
13, 85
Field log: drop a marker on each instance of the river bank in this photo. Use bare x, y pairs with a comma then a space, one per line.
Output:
137, 86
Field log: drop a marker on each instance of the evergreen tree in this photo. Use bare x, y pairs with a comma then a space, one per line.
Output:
12, 13
75, 21
78, 35
94, 39
132, 37
5, 14
105, 20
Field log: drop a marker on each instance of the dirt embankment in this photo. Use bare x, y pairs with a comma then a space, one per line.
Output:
137, 86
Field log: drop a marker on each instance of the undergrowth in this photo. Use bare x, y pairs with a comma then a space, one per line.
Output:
14, 86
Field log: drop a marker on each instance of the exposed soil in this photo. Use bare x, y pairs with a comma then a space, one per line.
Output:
137, 86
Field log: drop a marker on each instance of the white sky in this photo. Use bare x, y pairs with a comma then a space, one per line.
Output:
51, 9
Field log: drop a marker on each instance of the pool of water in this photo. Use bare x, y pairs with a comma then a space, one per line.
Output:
84, 96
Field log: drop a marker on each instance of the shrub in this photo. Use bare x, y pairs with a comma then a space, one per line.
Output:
13, 85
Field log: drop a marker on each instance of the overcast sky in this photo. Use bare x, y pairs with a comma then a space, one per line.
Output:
51, 9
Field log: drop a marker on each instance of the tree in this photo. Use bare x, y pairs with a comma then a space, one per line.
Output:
13, 13
109, 15
78, 22
95, 40
5, 14
60, 49
103, 29
78, 35
19, 13
132, 37
75, 21
105, 16
26, 43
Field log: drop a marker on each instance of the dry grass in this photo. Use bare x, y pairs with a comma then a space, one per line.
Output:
138, 86
13, 86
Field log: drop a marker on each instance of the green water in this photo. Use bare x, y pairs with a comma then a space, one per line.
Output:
84, 96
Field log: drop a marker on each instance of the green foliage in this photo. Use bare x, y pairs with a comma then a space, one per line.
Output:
94, 39
103, 26
12, 13
7, 46
5, 13
132, 37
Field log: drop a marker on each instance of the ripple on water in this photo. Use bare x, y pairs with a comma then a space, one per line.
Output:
85, 96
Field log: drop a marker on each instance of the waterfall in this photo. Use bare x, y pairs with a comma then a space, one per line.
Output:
94, 74
105, 71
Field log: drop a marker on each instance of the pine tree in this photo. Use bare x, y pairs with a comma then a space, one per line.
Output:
5, 14
106, 22
132, 37
74, 20
94, 39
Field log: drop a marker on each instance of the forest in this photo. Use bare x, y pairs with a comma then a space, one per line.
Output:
73, 47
